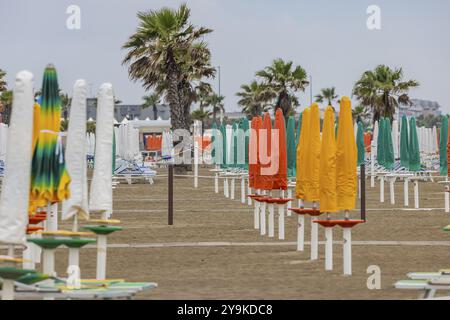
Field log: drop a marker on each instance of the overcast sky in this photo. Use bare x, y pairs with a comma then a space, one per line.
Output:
328, 38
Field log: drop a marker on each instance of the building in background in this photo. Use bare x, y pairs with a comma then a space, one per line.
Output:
420, 107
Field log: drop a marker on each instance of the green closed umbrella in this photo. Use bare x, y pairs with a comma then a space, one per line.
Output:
380, 142
291, 149
234, 145
414, 153
389, 147
404, 143
223, 130
245, 126
443, 163
360, 144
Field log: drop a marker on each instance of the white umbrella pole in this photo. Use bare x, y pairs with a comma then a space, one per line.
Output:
249, 191
347, 251
314, 237
416, 194
382, 189
271, 220
392, 189
242, 190
301, 229
406, 192
74, 253
289, 204
281, 221
329, 249
372, 166
102, 245
446, 199
8, 284
195, 163
225, 188
262, 215
216, 183
256, 214
232, 188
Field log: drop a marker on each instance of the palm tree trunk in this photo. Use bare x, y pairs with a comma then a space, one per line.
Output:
155, 112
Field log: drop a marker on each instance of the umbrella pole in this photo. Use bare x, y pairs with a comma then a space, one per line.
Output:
289, 204
232, 188
216, 183
372, 166
225, 187
416, 194
328, 246
196, 156
382, 189
314, 236
242, 189
271, 220
262, 216
102, 244
406, 192
392, 189
8, 284
347, 233
446, 199
281, 221
301, 228
256, 215
74, 253
249, 191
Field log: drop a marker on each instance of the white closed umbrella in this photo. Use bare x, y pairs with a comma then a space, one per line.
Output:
3, 140
14, 198
395, 141
166, 145
435, 143
101, 195
118, 145
16, 182
76, 163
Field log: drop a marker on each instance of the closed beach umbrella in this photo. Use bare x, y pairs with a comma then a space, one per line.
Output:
380, 142
435, 140
213, 143
280, 178
234, 145
414, 152
223, 131
299, 129
346, 159
242, 144
253, 168
77, 204
327, 179
375, 138
395, 139
246, 128
167, 145
300, 188
389, 148
101, 185
49, 177
16, 181
404, 143
291, 147
265, 146
313, 156
443, 164
360, 144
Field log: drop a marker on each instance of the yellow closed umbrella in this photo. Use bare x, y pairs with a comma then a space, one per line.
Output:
346, 158
313, 156
301, 156
327, 179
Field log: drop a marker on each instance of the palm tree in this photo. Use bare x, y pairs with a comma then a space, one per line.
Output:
327, 94
65, 103
168, 54
6, 100
2, 81
201, 115
152, 101
383, 90
284, 79
216, 102
254, 98
360, 112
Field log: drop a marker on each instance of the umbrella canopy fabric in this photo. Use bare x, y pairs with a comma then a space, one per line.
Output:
313, 156
280, 178
414, 153
214, 135
388, 147
246, 128
76, 164
443, 164
49, 177
3, 140
223, 132
395, 139
265, 180
16, 181
242, 144
234, 145
253, 167
380, 142
101, 185
376, 129
360, 144
327, 179
404, 143
299, 129
302, 146
346, 158
167, 145
291, 147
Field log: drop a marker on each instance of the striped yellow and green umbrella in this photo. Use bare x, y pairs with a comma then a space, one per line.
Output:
49, 177
291, 147
360, 144
404, 143
443, 147
414, 153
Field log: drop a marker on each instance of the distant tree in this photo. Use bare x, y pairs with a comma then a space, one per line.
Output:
428, 121
216, 102
327, 94
255, 98
152, 100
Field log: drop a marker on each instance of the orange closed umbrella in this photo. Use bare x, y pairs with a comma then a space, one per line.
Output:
346, 158
265, 181
253, 153
300, 189
368, 141
280, 178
